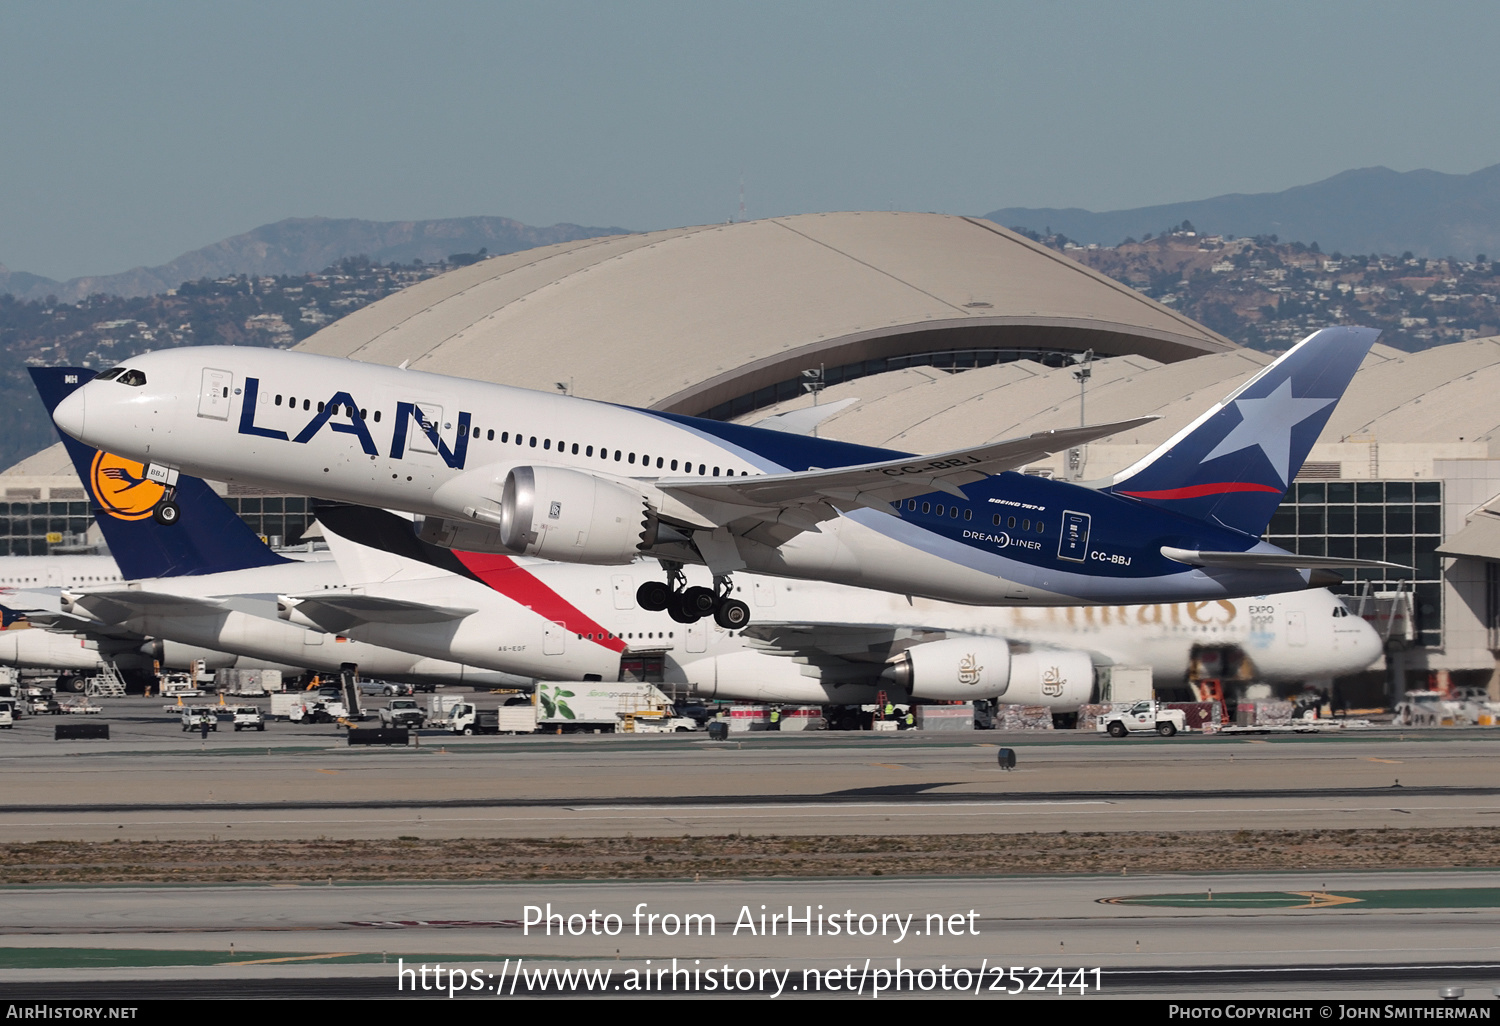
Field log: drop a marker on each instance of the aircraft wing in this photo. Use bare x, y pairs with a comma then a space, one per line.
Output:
91, 630
802, 499
338, 611
118, 605
836, 652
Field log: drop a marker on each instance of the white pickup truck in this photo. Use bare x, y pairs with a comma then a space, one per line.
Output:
1140, 718
249, 717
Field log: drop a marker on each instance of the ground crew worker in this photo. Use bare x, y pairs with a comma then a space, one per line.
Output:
909, 720
775, 723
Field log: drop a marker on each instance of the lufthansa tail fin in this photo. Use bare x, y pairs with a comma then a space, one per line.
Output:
1234, 464
209, 538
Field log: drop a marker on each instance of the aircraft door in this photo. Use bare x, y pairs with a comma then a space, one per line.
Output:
555, 639
54, 577
417, 439
624, 589
213, 399
697, 637
765, 593
1296, 627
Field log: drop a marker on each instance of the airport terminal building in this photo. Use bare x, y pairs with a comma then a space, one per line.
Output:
935, 332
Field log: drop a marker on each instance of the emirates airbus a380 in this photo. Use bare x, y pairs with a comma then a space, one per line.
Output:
499, 469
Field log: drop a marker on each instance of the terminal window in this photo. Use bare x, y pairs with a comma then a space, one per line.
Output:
1396, 521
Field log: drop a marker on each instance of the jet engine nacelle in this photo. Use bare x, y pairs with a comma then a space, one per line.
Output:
965, 669
572, 517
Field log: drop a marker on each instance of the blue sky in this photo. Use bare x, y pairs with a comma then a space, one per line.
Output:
130, 133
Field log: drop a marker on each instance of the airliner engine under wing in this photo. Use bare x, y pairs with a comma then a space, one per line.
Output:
207, 586
812, 642
501, 469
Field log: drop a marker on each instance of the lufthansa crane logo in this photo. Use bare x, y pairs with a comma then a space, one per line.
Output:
121, 489
969, 670
1052, 682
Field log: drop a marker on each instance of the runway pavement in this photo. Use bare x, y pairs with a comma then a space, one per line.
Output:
348, 939
152, 781
1287, 935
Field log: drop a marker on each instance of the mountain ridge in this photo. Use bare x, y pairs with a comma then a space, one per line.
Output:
1363, 210
298, 245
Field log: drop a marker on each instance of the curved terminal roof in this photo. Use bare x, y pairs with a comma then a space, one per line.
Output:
724, 318
1439, 400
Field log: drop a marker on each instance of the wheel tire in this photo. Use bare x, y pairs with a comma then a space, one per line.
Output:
167, 513
699, 601
389, 691
1166, 729
732, 614
260, 726
653, 596
468, 732
1117, 729
678, 611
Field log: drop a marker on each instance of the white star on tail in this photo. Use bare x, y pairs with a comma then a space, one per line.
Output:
1267, 424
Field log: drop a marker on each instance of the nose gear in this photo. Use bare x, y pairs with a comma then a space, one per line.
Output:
167, 512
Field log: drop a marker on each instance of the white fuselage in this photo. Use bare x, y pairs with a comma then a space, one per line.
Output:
565, 622
29, 573
243, 621
253, 416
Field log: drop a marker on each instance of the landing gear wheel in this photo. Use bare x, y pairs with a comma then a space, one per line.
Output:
167, 513
732, 614
653, 596
677, 610
1117, 729
1166, 729
699, 601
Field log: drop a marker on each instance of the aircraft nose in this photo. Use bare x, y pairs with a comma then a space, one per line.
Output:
1369, 645
69, 414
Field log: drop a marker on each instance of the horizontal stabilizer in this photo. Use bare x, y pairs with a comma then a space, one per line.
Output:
1271, 560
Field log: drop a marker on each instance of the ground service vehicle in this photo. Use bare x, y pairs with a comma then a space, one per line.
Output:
1140, 718
403, 712
468, 718
249, 717
194, 716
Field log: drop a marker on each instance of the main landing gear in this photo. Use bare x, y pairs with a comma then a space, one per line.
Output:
689, 605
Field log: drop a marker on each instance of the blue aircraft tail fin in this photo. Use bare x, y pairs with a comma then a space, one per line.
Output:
209, 537
1233, 465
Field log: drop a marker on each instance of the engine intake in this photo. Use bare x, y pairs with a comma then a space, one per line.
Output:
572, 517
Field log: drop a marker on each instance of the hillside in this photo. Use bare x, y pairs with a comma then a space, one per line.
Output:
1370, 210
300, 245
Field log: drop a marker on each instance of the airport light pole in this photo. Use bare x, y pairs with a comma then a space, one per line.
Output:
1081, 374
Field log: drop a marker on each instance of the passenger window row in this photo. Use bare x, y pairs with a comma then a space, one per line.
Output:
952, 512
547, 445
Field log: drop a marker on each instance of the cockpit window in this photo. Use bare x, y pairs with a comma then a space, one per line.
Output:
133, 377
110, 374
